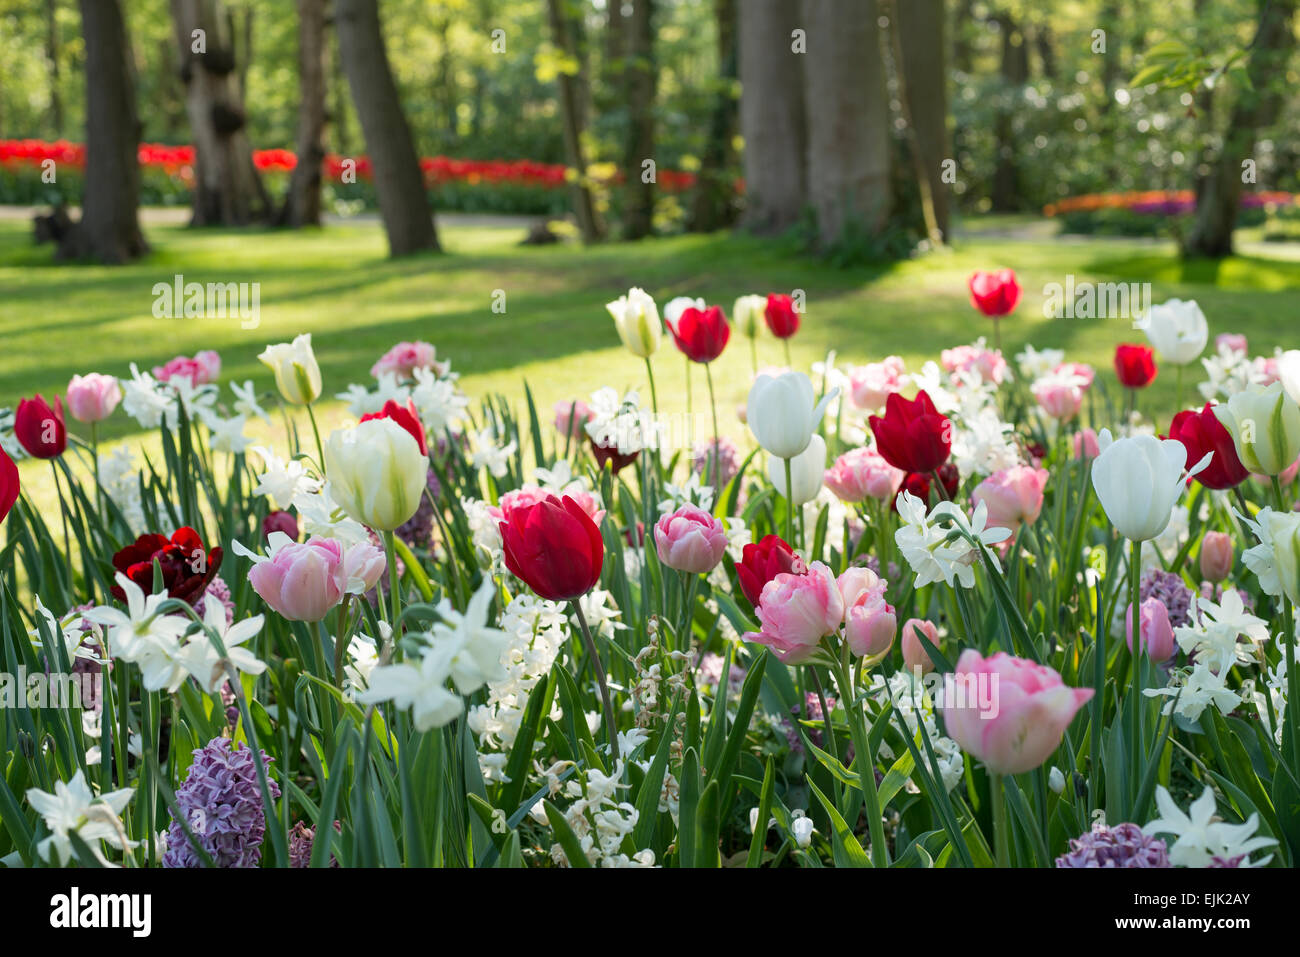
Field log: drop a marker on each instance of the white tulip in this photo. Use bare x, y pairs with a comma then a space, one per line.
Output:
806, 472
376, 473
747, 315
679, 304
636, 317
1138, 479
783, 412
297, 374
1265, 426
1288, 372
1178, 330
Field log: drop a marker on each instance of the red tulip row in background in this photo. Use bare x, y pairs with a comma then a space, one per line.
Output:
179, 161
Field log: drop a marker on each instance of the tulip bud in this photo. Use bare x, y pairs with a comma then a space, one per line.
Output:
377, 473
93, 397
914, 653
636, 317
747, 315
1056, 780
1216, 556
297, 375
1157, 635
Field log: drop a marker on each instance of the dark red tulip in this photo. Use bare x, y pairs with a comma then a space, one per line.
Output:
994, 293
1135, 365
554, 548
701, 334
920, 483
781, 316
1202, 432
616, 459
912, 435
762, 561
187, 566
9, 484
39, 429
279, 521
405, 416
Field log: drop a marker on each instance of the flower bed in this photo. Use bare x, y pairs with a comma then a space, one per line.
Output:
979, 612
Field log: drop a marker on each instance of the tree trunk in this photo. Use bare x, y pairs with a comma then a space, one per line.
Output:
302, 204
638, 220
399, 182
848, 119
1255, 109
921, 48
109, 230
584, 210
227, 189
772, 115
963, 51
1046, 51
52, 63
713, 205
1015, 72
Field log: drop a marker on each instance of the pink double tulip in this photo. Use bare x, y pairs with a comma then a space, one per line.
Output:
690, 540
202, 369
93, 397
860, 474
1008, 712
869, 621
795, 612
1084, 444
870, 385
1013, 496
1156, 634
914, 653
301, 581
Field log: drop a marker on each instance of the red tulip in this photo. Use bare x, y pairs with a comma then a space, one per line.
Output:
781, 316
920, 483
762, 561
1202, 432
994, 293
278, 521
1135, 365
187, 567
39, 429
9, 484
406, 417
610, 454
912, 435
701, 334
554, 548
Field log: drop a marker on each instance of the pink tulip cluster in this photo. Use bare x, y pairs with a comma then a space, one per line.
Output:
870, 385
987, 363
302, 582
1013, 496
860, 474
202, 369
869, 621
404, 358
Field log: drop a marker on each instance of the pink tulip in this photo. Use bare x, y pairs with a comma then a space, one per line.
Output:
1013, 496
1285, 477
1084, 443
404, 358
571, 416
870, 385
914, 653
93, 397
527, 495
1008, 712
1232, 341
1060, 397
690, 540
301, 582
869, 621
202, 369
860, 474
796, 612
1080, 369
1156, 633
1216, 556
363, 565
988, 363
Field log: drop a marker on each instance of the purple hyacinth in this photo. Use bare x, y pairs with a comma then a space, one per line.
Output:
1172, 592
217, 591
301, 840
1123, 845
222, 804
417, 531
728, 460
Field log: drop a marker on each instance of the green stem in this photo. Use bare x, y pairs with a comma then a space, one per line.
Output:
688, 388
394, 589
789, 502
1001, 838
713, 455
320, 449
341, 640
611, 726
1135, 574
654, 396
865, 762
753, 353
1277, 495
788, 363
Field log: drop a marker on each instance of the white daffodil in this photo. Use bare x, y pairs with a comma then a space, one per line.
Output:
73, 808
200, 658
1214, 629
282, 481
145, 637
1276, 559
938, 547
1201, 838
228, 434
246, 401
1200, 689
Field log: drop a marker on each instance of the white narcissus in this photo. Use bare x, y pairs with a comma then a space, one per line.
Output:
806, 472
1276, 559
377, 473
747, 315
1178, 330
783, 412
297, 374
1265, 426
1138, 479
636, 317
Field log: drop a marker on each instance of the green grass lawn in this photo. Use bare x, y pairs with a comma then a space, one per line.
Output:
337, 284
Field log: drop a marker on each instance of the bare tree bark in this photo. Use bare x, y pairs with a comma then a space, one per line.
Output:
848, 119
772, 119
920, 51
1255, 109
584, 209
109, 230
52, 64
302, 203
638, 219
713, 205
403, 200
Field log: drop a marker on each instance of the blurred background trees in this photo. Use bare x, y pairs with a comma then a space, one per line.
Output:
861, 128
